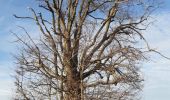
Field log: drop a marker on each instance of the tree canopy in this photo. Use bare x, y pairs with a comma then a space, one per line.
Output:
88, 50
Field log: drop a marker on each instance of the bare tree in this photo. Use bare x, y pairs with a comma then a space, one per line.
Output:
88, 50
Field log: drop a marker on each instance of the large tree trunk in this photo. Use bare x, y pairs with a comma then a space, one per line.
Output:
72, 85
73, 90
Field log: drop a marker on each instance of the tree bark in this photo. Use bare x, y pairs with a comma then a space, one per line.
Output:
73, 90
72, 85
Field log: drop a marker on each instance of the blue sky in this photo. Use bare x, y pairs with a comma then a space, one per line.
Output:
156, 72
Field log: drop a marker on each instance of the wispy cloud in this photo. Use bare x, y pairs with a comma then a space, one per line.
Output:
6, 83
157, 73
